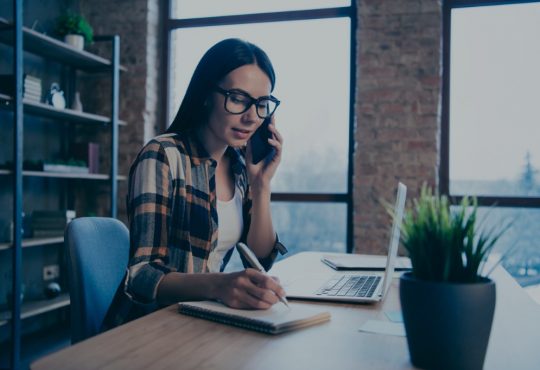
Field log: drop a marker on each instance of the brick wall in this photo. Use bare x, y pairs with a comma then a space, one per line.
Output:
397, 109
137, 24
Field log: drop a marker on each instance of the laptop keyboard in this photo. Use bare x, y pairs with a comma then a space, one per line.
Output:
350, 286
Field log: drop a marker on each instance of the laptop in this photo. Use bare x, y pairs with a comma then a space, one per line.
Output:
360, 287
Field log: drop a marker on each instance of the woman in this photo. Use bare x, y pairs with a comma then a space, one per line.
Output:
194, 192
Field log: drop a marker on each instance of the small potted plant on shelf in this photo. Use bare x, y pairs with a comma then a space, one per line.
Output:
75, 29
446, 300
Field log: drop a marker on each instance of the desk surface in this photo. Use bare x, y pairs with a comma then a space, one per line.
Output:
167, 339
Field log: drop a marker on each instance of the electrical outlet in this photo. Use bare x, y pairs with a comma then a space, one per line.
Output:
51, 272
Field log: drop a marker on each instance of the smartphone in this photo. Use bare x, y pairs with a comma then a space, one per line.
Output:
260, 148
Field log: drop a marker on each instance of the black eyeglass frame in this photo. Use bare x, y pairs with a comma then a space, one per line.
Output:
252, 101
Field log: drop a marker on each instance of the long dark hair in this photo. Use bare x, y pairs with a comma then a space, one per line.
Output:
216, 63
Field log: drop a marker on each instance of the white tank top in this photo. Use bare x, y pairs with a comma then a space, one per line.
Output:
230, 225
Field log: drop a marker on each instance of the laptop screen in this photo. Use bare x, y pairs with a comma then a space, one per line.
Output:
399, 209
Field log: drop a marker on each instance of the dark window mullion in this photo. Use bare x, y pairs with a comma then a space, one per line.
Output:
310, 197
352, 100
476, 3
521, 202
296, 15
444, 165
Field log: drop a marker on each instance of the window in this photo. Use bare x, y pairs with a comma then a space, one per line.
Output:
491, 121
311, 52
183, 9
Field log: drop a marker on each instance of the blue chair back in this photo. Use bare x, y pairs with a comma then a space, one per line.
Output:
98, 252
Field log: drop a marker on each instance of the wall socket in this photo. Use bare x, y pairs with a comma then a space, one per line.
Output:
51, 272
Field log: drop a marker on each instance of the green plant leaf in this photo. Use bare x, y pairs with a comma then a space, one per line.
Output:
72, 23
444, 245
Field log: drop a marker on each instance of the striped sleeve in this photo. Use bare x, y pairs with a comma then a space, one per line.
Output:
149, 212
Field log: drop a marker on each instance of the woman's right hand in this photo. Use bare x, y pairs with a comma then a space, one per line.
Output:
249, 289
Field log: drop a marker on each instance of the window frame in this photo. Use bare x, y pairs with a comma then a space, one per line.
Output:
172, 24
444, 169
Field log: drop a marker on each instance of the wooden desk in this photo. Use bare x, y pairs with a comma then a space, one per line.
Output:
168, 340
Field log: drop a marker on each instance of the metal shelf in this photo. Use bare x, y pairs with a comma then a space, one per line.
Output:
34, 242
35, 308
53, 49
66, 114
62, 175
26, 41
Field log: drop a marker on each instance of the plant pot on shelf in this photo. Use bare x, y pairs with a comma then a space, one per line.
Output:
447, 324
77, 41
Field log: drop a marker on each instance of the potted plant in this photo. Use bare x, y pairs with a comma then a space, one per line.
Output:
75, 29
446, 300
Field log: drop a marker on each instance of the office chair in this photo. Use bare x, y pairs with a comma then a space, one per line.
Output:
98, 252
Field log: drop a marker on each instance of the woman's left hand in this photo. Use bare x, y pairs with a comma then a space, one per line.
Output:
261, 173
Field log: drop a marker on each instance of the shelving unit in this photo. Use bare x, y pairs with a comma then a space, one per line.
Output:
22, 40
35, 308
34, 242
66, 114
60, 175
56, 50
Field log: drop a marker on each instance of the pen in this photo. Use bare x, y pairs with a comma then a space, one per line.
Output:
254, 263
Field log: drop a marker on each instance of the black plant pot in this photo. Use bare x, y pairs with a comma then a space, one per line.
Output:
447, 324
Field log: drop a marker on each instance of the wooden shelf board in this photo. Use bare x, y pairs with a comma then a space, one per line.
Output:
48, 111
30, 309
51, 48
34, 242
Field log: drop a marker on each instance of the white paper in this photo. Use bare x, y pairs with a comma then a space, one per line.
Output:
383, 327
394, 316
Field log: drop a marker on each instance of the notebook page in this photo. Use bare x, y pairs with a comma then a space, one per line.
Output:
277, 315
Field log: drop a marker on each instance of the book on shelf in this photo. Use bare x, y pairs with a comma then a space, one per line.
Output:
275, 320
32, 98
46, 224
31, 85
48, 233
67, 214
32, 88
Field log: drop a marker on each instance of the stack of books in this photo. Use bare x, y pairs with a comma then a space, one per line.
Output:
48, 224
31, 87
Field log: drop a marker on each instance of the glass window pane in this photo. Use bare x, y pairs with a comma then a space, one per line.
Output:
212, 8
305, 227
520, 242
494, 111
314, 114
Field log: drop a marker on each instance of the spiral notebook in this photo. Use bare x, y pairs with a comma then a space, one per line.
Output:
275, 320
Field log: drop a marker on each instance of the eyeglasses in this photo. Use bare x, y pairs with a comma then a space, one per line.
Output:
238, 102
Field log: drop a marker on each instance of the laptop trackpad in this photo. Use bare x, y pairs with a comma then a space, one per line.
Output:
301, 286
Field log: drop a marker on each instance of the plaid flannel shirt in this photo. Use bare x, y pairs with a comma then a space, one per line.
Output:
173, 218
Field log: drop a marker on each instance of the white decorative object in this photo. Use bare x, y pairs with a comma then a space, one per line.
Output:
76, 104
64, 168
77, 41
56, 96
